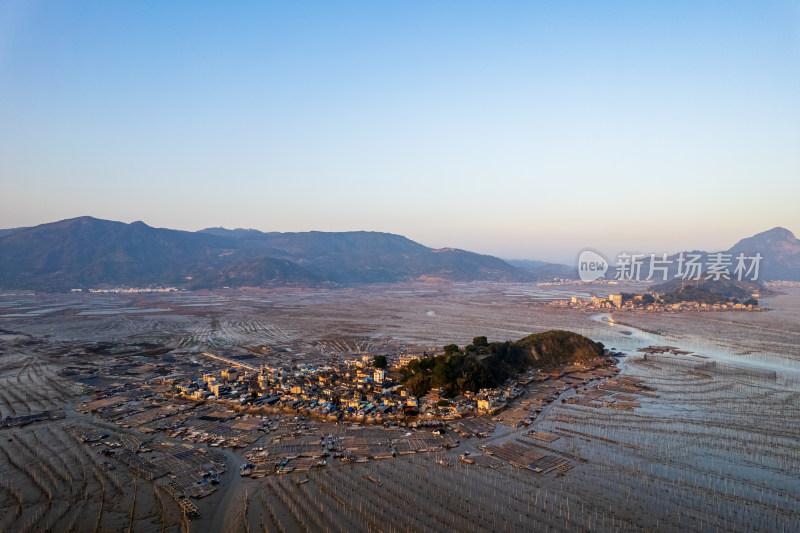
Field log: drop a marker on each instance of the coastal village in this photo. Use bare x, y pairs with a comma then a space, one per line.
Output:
182, 398
299, 417
639, 303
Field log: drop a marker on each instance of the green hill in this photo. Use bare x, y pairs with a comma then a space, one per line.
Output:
706, 291
487, 365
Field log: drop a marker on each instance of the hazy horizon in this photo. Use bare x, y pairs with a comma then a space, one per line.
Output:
516, 129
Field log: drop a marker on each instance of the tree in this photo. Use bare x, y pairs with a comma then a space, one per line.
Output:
379, 361
479, 342
648, 298
751, 301
451, 349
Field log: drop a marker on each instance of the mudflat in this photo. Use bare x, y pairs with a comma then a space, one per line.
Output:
706, 441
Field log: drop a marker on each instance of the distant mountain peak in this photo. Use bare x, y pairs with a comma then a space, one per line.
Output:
76, 220
777, 236
780, 252
236, 233
775, 233
223, 228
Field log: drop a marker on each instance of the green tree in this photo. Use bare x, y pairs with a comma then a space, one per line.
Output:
479, 342
451, 349
379, 361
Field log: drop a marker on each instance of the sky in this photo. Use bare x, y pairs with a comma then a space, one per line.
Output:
524, 129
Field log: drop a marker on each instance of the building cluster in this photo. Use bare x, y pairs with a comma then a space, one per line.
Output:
353, 389
616, 301
593, 302
782, 284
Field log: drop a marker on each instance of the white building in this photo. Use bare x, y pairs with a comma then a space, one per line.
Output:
407, 358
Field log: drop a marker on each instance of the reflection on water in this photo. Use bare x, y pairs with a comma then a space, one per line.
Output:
714, 348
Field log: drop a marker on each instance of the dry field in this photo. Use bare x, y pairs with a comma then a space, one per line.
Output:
715, 450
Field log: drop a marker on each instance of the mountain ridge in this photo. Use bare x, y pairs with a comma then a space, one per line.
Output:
86, 252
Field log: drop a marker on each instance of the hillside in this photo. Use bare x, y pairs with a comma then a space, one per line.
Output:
780, 250
9, 231
544, 270
89, 253
487, 365
706, 291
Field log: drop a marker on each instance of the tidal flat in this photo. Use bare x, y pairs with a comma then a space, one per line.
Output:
713, 446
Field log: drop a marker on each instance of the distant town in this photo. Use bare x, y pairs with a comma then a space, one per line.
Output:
651, 303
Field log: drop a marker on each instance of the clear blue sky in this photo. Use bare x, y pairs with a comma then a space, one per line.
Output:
520, 129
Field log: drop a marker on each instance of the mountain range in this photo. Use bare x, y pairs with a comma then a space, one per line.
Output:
86, 252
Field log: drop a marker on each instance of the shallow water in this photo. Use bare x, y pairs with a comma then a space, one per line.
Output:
706, 347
